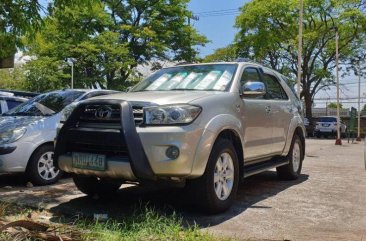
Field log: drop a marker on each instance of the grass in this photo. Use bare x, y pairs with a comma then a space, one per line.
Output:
146, 223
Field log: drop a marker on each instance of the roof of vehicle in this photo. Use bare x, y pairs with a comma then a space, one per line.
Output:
21, 99
84, 90
18, 93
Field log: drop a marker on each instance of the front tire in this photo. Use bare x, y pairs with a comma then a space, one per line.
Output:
96, 186
41, 169
215, 191
292, 170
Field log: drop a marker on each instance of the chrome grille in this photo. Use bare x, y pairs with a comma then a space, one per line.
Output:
138, 114
89, 118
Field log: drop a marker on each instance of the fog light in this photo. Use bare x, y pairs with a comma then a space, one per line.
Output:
172, 152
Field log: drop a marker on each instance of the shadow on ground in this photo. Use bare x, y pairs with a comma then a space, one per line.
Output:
167, 201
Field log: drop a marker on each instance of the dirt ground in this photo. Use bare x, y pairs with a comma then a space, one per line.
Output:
328, 202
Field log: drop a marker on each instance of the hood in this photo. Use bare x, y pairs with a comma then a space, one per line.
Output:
12, 122
160, 97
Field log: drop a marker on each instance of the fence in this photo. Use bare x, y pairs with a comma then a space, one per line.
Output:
333, 112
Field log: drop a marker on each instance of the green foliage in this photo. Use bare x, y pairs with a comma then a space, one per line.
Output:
18, 17
109, 38
228, 53
45, 74
146, 224
334, 105
268, 33
364, 108
13, 79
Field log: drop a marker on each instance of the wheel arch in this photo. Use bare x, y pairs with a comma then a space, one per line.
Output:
201, 159
234, 137
35, 150
300, 133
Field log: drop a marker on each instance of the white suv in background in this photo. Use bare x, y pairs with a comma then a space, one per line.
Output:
327, 126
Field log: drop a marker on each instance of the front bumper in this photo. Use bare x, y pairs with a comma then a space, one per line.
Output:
14, 157
139, 152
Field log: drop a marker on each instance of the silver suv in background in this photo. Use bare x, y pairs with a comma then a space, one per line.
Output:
27, 133
204, 126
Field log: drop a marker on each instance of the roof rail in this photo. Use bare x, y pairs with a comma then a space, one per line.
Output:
183, 63
247, 60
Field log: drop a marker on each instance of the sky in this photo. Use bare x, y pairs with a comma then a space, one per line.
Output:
216, 21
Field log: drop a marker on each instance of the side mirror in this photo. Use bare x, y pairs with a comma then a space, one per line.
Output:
254, 89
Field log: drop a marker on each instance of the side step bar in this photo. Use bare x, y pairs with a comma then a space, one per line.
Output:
253, 169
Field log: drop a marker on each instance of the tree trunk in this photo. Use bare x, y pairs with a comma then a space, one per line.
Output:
308, 105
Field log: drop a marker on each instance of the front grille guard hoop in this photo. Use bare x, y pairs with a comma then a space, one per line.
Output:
137, 156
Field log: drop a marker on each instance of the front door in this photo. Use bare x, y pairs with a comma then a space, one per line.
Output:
256, 120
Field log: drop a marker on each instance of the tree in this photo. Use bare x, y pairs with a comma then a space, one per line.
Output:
17, 18
13, 79
109, 38
268, 33
334, 105
364, 108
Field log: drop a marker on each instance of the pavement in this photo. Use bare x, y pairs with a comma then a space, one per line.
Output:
328, 201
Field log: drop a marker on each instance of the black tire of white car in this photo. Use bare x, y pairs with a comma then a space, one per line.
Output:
216, 181
288, 172
41, 169
92, 186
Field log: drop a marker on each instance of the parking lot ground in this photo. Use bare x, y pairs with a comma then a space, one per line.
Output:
328, 202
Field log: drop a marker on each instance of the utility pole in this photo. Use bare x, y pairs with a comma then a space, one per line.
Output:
72, 75
196, 18
338, 140
299, 49
359, 103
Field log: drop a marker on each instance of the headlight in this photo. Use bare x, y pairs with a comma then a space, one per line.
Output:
12, 135
66, 112
171, 114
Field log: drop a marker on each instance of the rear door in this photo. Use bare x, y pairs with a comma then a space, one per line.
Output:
256, 119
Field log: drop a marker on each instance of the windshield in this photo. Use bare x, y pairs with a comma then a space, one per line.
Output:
215, 77
45, 104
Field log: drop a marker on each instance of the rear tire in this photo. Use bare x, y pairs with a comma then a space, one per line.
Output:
215, 191
95, 186
292, 170
41, 169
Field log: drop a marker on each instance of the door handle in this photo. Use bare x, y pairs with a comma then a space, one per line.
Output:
268, 109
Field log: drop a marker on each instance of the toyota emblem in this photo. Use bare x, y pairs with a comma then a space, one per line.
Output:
103, 112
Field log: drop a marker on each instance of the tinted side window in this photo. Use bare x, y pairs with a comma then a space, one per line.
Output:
12, 104
250, 74
274, 88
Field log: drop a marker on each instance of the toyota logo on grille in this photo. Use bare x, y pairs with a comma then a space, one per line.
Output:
103, 112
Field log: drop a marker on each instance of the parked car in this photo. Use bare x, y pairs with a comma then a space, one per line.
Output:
9, 101
327, 126
27, 133
202, 126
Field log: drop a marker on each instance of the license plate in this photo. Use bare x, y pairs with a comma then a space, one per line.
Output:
325, 130
89, 161
326, 125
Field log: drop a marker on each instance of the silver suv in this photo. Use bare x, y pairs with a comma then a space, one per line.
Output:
204, 126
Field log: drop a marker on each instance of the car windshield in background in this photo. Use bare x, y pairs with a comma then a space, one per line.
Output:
214, 77
45, 104
327, 119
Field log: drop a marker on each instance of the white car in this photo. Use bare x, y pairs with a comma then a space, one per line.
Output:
27, 133
327, 126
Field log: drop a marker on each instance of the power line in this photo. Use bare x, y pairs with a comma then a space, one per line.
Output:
218, 13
